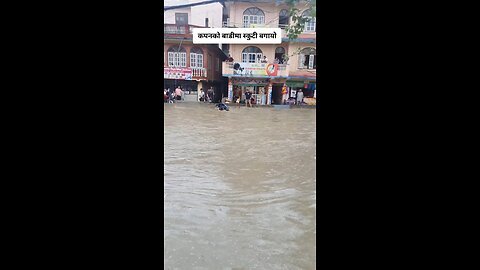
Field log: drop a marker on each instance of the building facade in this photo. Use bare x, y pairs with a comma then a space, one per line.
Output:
202, 15
192, 66
291, 65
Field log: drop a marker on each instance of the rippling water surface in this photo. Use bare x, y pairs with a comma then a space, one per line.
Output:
239, 188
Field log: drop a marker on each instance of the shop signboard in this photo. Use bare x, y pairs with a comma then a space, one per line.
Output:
254, 69
295, 84
177, 73
250, 81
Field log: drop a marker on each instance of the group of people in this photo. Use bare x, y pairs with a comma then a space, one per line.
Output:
171, 96
249, 100
297, 99
278, 61
208, 96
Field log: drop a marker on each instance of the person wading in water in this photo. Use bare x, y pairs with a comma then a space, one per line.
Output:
248, 98
178, 93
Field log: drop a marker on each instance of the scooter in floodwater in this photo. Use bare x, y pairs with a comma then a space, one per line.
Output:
222, 107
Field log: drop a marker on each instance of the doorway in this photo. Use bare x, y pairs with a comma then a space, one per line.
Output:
277, 94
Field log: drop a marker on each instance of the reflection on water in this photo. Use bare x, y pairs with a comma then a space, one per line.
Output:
239, 188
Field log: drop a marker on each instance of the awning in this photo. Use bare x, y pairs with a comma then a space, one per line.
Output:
295, 84
246, 84
250, 82
310, 85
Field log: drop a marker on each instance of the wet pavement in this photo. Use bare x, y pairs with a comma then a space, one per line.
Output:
240, 188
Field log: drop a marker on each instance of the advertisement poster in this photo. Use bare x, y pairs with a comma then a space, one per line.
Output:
177, 73
255, 69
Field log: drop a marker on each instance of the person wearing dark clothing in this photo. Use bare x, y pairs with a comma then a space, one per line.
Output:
210, 94
248, 98
223, 107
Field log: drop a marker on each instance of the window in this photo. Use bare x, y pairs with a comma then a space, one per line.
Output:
181, 18
177, 57
283, 18
279, 53
310, 26
251, 54
308, 58
253, 16
196, 57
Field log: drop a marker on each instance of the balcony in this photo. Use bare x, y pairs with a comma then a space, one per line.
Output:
257, 71
199, 72
179, 29
184, 73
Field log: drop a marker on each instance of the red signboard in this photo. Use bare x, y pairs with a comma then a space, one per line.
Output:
177, 73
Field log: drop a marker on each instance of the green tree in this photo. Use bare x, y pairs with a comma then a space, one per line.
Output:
297, 24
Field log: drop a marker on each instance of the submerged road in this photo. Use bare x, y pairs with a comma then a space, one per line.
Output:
240, 188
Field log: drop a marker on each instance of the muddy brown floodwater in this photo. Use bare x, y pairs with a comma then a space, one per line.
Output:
239, 188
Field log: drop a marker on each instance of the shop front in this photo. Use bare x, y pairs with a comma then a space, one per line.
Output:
174, 77
307, 87
220, 89
182, 77
260, 88
278, 91
258, 78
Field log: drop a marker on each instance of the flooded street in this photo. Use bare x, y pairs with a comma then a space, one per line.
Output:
240, 188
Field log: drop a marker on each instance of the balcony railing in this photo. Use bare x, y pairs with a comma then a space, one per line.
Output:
179, 29
175, 29
227, 69
199, 72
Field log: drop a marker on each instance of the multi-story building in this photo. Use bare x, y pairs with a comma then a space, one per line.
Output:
299, 72
193, 66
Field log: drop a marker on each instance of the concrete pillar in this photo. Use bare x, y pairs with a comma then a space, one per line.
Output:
230, 90
269, 94
284, 93
199, 86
